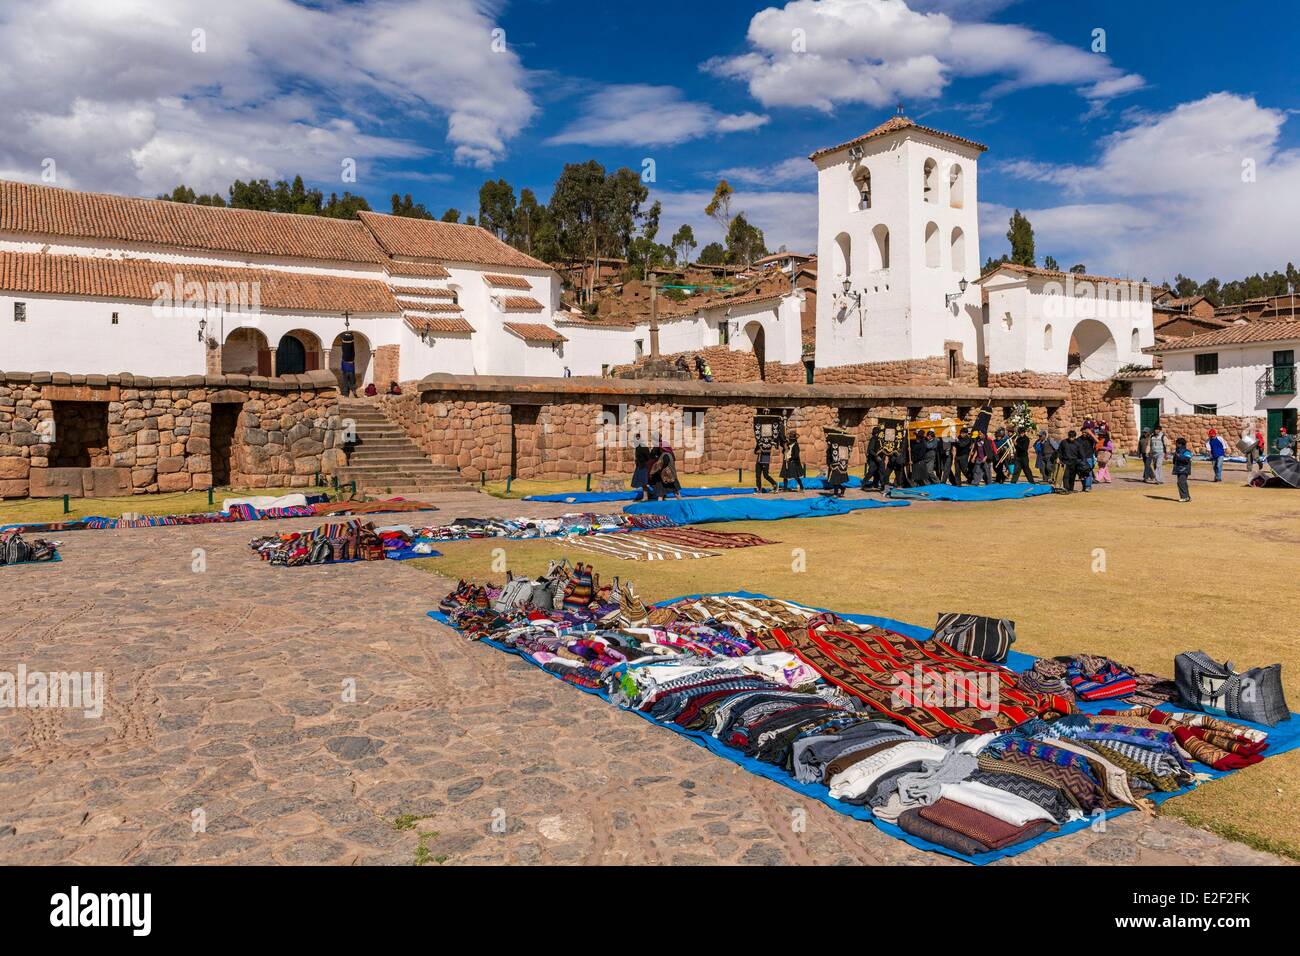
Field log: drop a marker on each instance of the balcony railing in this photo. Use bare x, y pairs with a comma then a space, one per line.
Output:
1279, 380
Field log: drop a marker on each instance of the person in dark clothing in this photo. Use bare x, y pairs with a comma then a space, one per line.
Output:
897, 462
1068, 455
348, 363
873, 473
933, 446
961, 450
999, 459
762, 466
982, 452
681, 364
917, 447
640, 474
792, 467
663, 474
1182, 468
1022, 457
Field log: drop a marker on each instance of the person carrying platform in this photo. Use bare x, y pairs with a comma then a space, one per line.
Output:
1022, 457
792, 466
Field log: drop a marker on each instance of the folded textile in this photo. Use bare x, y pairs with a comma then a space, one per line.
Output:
1052, 799
989, 831
1099, 680
999, 804
911, 822
926, 786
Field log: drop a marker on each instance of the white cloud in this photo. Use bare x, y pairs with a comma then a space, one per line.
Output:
821, 53
116, 94
796, 169
1170, 193
787, 218
638, 114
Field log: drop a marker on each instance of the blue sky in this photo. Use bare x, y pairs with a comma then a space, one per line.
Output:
1132, 160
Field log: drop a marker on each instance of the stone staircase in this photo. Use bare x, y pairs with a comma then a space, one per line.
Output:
385, 461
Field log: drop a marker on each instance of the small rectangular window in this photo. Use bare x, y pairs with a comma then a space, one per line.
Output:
1207, 364
115, 318
1205, 409
20, 311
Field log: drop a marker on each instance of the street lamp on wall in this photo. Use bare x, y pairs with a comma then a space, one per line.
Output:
203, 325
952, 297
848, 295
346, 317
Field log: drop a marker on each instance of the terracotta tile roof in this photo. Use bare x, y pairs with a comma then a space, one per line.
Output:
135, 279
896, 124
1140, 375
418, 270
507, 282
414, 305
1233, 335
534, 332
422, 291
1052, 274
421, 325
445, 241
48, 211
521, 303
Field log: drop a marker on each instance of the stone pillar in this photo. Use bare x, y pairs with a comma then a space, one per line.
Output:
273, 372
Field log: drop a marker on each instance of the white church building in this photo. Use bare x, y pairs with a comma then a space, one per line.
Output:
96, 284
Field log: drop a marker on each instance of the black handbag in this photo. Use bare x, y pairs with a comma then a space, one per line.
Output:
988, 638
1255, 695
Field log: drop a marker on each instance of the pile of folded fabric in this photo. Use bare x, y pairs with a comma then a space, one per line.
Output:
331, 543
1089, 677
519, 529
15, 549
959, 752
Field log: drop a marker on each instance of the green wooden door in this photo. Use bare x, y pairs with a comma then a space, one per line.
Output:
1278, 419
1149, 413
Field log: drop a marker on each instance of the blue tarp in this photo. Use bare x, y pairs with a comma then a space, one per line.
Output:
1281, 739
751, 508
590, 497
1006, 492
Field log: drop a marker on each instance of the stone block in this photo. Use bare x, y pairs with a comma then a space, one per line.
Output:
170, 465
56, 482
13, 488
14, 468
176, 481
105, 482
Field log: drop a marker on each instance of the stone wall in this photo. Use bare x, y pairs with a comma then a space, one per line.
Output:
590, 426
1196, 429
158, 432
387, 360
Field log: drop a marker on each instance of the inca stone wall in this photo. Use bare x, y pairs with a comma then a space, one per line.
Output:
158, 432
564, 428
1196, 429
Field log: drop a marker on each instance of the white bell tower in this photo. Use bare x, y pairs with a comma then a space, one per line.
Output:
897, 233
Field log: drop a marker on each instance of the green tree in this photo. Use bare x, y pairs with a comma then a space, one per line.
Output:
1049, 262
451, 215
344, 207
714, 254
683, 243
744, 242
187, 195
1184, 287
1021, 236
528, 220
719, 207
1078, 268
496, 207
405, 206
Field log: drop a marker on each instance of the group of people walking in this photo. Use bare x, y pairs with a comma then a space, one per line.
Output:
973, 458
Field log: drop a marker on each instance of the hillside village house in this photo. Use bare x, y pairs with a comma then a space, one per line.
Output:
1232, 378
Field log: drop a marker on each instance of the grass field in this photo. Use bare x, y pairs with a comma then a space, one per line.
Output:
188, 502
1126, 571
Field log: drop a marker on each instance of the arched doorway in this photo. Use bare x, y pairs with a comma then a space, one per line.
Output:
361, 357
1093, 356
758, 344
246, 352
297, 352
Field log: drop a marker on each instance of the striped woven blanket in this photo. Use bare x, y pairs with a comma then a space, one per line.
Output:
666, 544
